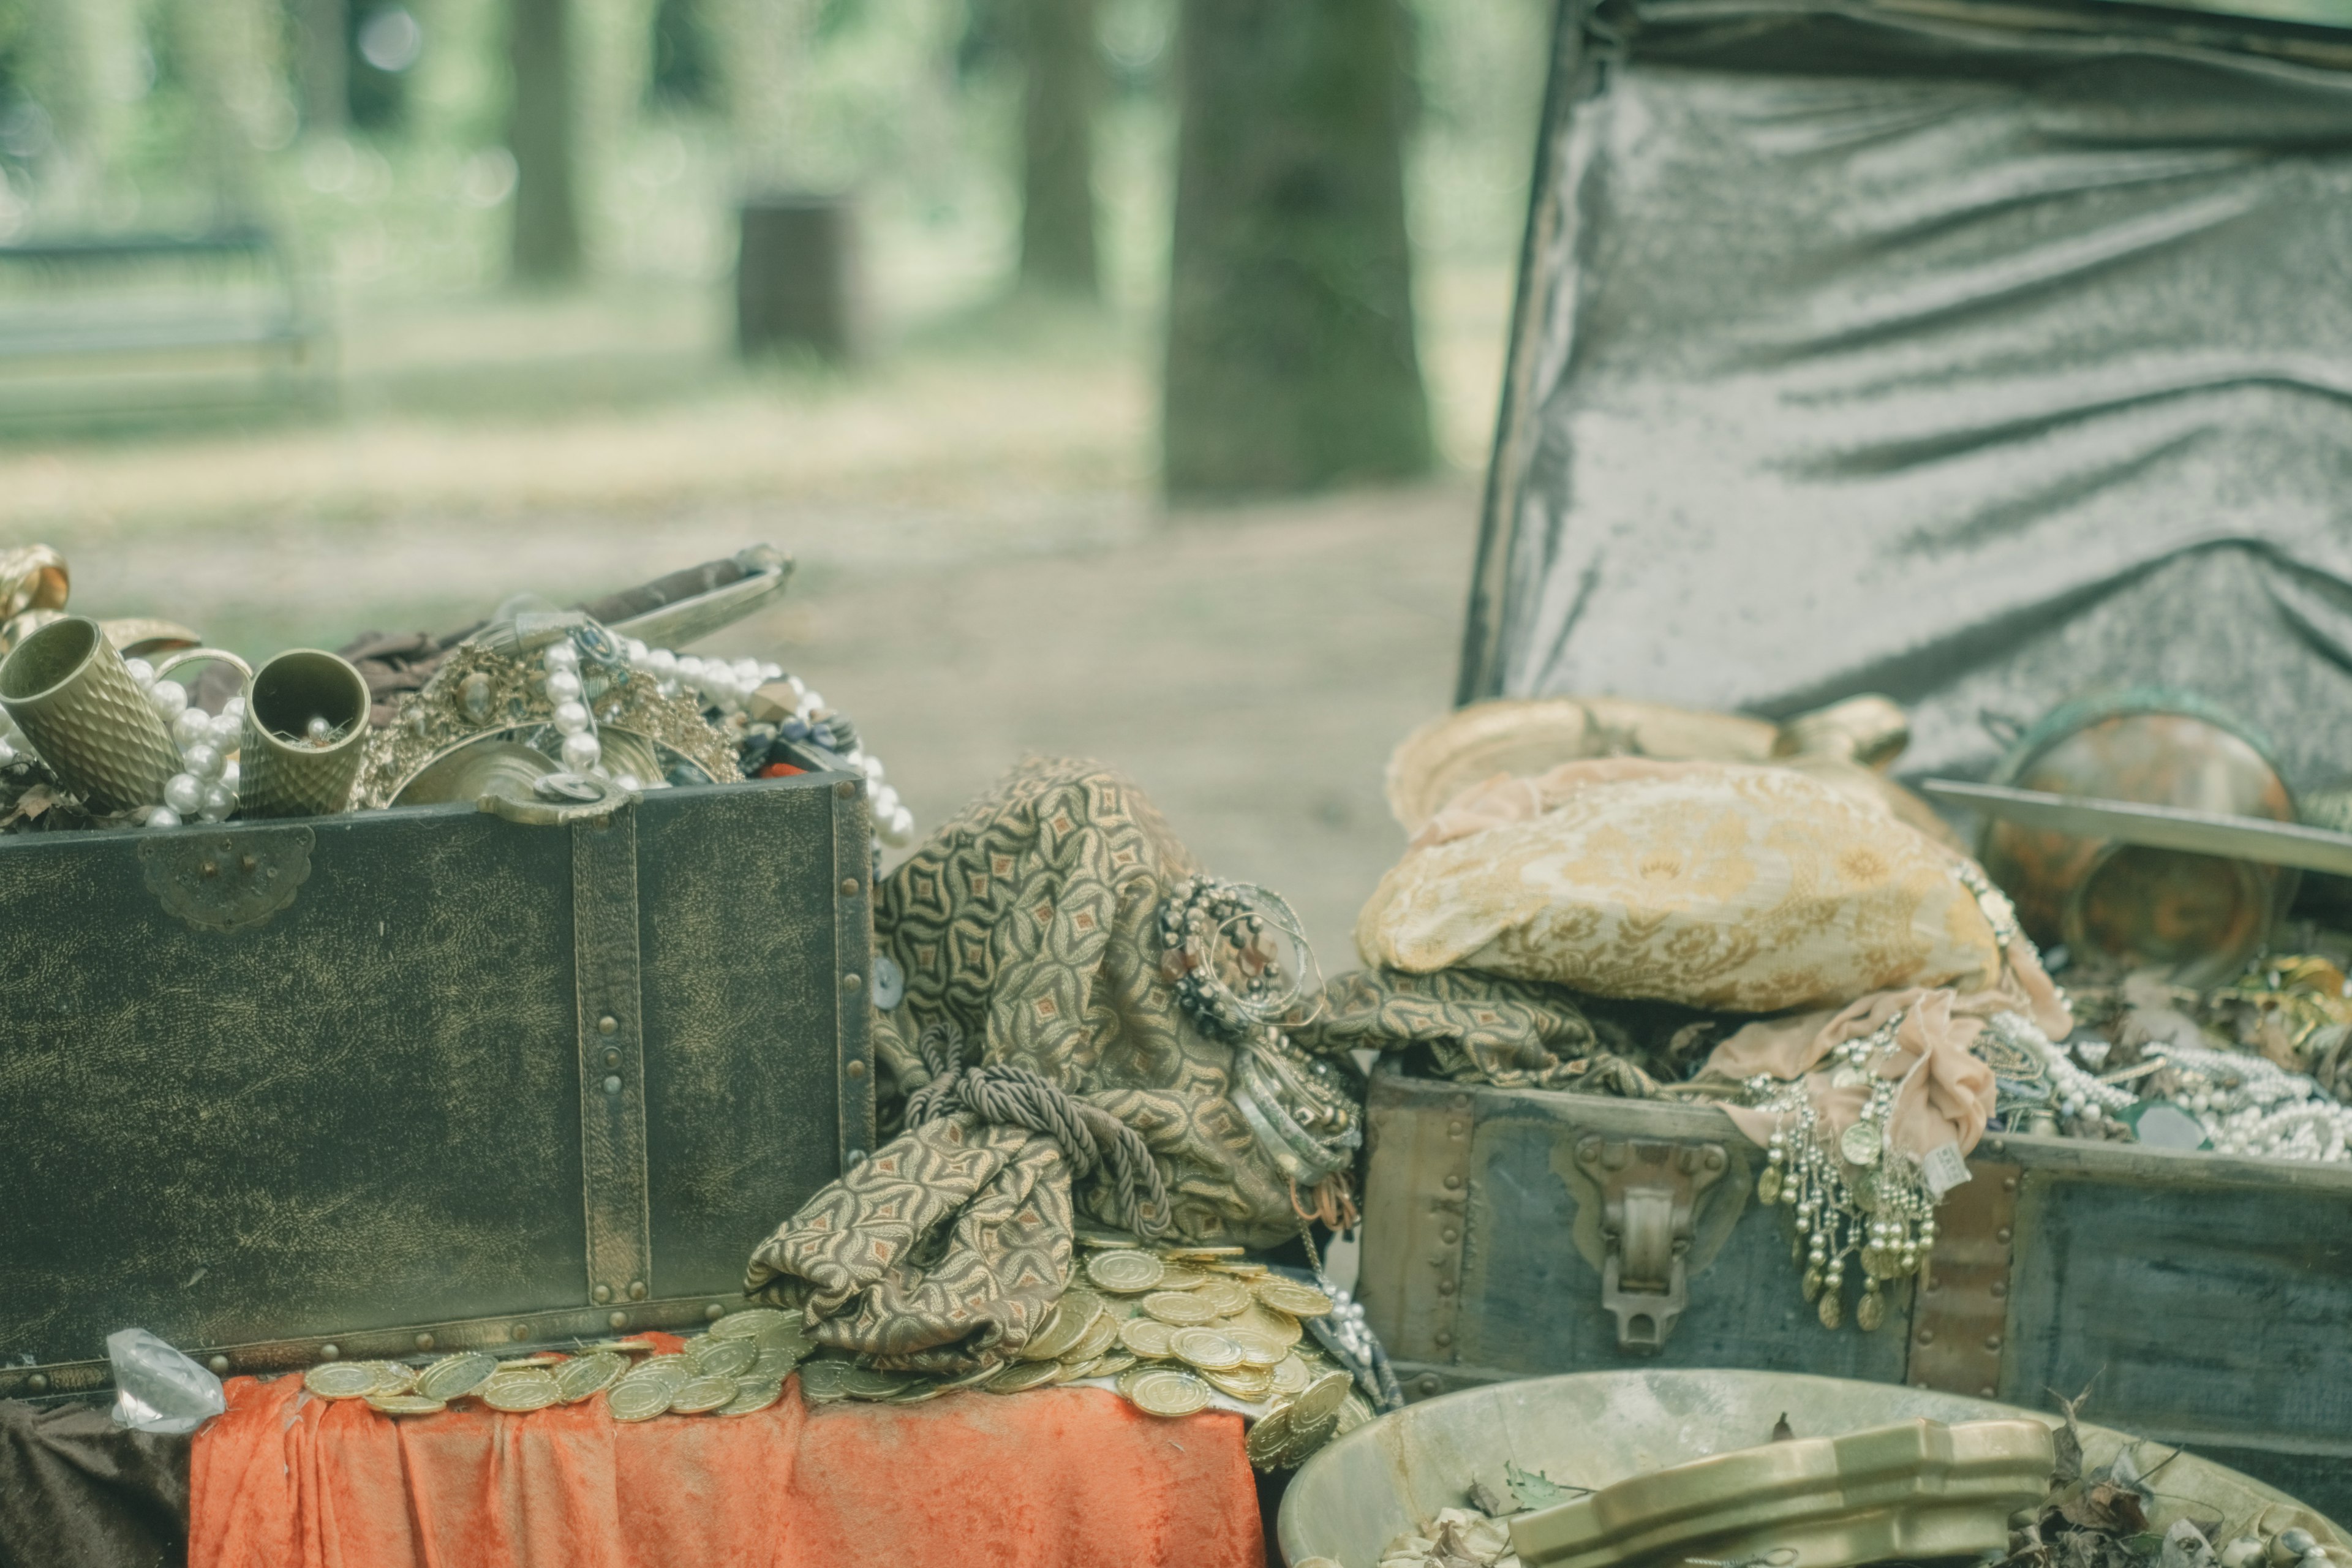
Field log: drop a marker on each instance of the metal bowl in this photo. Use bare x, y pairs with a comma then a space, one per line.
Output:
2202, 916
1596, 1428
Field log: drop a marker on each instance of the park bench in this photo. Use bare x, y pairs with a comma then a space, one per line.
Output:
140, 325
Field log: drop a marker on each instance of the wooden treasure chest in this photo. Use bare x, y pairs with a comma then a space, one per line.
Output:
1982, 356
425, 1078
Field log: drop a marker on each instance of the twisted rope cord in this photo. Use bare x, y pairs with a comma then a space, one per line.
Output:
1091, 1137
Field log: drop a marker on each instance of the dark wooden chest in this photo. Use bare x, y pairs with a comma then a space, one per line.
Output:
420, 1079
2203, 1300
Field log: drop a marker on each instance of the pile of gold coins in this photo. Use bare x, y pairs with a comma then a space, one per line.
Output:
739, 1366
1169, 1329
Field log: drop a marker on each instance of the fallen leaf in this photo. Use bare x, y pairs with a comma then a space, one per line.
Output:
1533, 1488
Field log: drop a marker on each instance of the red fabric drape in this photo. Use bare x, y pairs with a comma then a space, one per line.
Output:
1060, 1478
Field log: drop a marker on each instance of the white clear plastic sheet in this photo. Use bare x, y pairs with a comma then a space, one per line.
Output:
157, 1389
1982, 366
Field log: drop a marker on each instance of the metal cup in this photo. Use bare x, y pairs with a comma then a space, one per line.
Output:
74, 698
282, 771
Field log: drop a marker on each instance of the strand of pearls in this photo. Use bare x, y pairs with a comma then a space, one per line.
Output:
728, 685
2249, 1105
205, 789
2079, 1094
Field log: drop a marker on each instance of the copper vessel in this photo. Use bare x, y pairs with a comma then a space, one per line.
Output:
2202, 916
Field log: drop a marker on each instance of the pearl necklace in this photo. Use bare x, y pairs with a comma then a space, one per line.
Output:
205, 789
2249, 1105
727, 687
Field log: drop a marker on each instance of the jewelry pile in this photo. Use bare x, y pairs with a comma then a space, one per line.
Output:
1219, 955
1854, 1196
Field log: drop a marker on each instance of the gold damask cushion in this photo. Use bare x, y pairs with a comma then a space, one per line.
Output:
1727, 886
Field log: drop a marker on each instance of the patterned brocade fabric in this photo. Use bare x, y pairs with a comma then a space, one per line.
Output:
949, 1247
1477, 1027
1026, 930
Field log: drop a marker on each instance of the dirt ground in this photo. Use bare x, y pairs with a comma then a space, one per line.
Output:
984, 572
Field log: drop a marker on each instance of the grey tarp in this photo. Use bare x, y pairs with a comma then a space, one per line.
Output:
1981, 367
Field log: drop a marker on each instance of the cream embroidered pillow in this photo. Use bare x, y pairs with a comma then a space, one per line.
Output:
1744, 888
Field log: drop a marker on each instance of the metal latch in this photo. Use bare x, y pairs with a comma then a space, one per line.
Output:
1648, 1190
558, 800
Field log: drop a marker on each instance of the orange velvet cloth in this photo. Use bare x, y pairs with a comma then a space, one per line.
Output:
1060, 1477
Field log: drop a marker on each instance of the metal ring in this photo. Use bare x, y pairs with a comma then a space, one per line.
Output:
172, 661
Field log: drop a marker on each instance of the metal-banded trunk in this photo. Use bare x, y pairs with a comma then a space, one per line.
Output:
2204, 1300
422, 1079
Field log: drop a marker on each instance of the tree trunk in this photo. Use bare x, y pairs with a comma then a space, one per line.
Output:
1291, 361
1057, 145
539, 134
326, 34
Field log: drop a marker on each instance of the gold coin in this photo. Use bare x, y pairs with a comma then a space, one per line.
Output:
637, 1401
622, 1347
1305, 1439
1070, 1321
1267, 1436
1290, 1375
668, 1374
1354, 1411
722, 1358
1257, 1349
773, 1363
698, 1396
1147, 1337
1237, 1268
752, 1394
1168, 1393
747, 1323
1859, 1143
974, 1378
517, 1392
1249, 1384
1182, 1277
1103, 1238
1126, 1379
1024, 1374
1179, 1309
1199, 1254
1286, 1295
872, 1383
456, 1375
536, 1358
1206, 1349
341, 1380
1280, 1327
1110, 1365
585, 1376
405, 1405
391, 1377
822, 1381
787, 1335
1229, 1297
1100, 1335
1125, 1273
916, 1392
1320, 1399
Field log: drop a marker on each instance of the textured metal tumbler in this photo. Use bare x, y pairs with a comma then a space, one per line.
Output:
283, 770
72, 695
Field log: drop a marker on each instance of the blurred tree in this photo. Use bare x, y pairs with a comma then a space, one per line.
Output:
763, 48
540, 133
324, 30
1063, 79
84, 68
1290, 359
681, 75
228, 58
